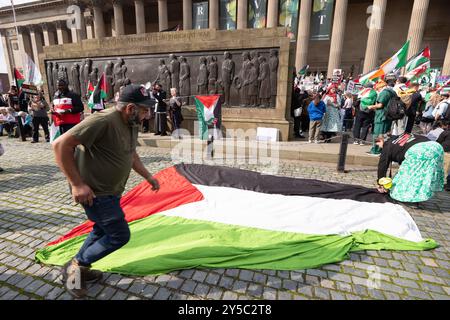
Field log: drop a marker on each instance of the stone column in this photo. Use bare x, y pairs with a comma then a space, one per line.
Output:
162, 15
417, 26
446, 66
301, 55
214, 14
36, 43
99, 23
7, 54
242, 18
272, 14
48, 33
337, 36
118, 17
140, 16
376, 23
61, 32
89, 27
187, 14
78, 28
24, 42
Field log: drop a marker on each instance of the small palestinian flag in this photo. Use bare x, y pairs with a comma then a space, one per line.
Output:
303, 70
218, 217
368, 97
20, 79
416, 73
54, 132
90, 88
209, 113
418, 60
98, 93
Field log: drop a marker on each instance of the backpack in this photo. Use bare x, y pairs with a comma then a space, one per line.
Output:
396, 108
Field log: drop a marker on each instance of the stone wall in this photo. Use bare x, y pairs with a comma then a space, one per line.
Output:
197, 42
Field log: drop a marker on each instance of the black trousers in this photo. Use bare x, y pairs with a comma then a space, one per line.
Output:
410, 123
362, 124
43, 122
65, 127
297, 124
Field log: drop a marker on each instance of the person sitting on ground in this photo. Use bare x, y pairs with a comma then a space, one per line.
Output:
438, 128
421, 171
10, 123
27, 123
316, 111
428, 114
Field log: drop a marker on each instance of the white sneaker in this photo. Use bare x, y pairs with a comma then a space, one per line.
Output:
309, 141
316, 141
355, 142
361, 143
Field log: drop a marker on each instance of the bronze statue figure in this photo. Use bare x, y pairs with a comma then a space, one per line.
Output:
227, 76
174, 69
264, 82
118, 74
109, 79
244, 77
213, 73
62, 74
55, 75
202, 79
82, 79
163, 77
93, 76
75, 78
185, 80
252, 84
273, 64
87, 69
50, 85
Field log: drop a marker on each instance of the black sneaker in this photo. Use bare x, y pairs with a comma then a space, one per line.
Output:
90, 276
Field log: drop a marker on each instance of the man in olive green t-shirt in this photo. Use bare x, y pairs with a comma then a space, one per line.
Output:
105, 153
382, 125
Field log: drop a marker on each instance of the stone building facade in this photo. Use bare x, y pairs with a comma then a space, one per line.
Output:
363, 33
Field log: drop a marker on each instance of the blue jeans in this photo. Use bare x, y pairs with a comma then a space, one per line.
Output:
110, 231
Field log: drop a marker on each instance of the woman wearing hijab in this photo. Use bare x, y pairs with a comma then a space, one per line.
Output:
421, 171
332, 120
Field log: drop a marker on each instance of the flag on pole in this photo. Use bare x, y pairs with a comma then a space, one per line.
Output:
209, 113
303, 70
397, 61
417, 72
90, 88
366, 78
32, 74
54, 132
418, 60
98, 93
20, 79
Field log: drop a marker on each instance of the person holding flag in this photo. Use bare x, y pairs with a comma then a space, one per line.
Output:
98, 94
364, 116
67, 108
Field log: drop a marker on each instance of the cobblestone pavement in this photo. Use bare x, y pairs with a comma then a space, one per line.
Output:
35, 208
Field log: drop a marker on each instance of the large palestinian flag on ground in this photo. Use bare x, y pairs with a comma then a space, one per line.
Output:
217, 217
209, 113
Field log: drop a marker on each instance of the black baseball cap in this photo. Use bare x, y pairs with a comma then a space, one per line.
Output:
136, 94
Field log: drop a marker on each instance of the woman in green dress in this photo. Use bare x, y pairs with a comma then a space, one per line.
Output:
421, 171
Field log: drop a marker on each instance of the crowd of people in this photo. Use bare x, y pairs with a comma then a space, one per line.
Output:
396, 113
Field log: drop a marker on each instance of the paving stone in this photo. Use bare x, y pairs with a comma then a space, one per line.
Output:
417, 293
246, 275
290, 285
46, 288
149, 291
226, 282
337, 295
322, 293
107, 293
199, 276
232, 273
269, 293
255, 290
175, 283
228, 295
432, 288
55, 293
339, 277
188, 286
317, 273
137, 287
261, 278
124, 283
305, 290
343, 286
376, 294
162, 294
406, 283
432, 279
274, 282
119, 295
